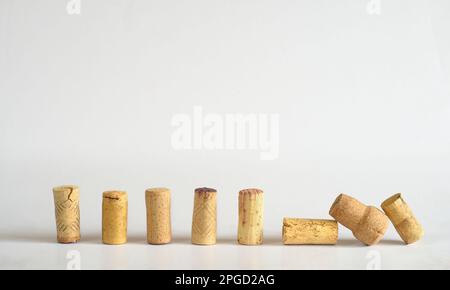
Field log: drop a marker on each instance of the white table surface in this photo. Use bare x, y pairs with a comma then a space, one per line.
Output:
39, 251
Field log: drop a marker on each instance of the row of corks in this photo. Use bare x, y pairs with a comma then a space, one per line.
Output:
368, 223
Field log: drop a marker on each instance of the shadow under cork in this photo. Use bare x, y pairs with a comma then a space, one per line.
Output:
354, 243
231, 241
268, 241
96, 239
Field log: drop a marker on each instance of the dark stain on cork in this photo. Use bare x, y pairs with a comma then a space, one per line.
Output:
205, 192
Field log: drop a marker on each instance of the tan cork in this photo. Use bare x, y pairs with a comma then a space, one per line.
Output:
115, 217
251, 217
204, 220
159, 227
67, 213
298, 231
403, 219
367, 223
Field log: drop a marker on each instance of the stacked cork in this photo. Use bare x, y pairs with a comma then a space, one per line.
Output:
367, 223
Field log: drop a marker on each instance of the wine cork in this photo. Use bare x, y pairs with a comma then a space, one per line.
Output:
159, 227
403, 219
367, 223
204, 220
115, 217
309, 232
67, 213
251, 217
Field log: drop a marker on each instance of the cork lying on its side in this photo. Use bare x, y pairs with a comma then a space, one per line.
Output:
251, 217
115, 217
367, 223
67, 213
159, 227
309, 232
204, 220
403, 219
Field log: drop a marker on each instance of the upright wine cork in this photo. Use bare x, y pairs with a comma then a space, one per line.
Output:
367, 223
204, 219
67, 213
403, 219
251, 217
159, 227
115, 217
309, 232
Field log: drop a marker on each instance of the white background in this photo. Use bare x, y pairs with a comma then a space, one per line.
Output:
363, 100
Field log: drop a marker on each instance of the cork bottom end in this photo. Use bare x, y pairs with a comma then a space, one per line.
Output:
250, 245
203, 243
158, 243
258, 243
68, 240
114, 243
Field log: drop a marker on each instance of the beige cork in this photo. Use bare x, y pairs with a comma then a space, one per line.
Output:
159, 227
403, 219
251, 217
204, 220
367, 223
309, 232
67, 213
115, 217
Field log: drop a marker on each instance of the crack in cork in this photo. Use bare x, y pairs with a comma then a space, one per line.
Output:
112, 198
70, 194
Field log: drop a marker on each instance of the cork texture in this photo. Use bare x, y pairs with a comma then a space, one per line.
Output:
403, 219
251, 217
204, 220
298, 231
67, 213
159, 227
367, 223
115, 217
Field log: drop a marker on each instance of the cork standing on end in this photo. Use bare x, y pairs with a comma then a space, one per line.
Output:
204, 219
115, 217
309, 232
403, 219
67, 213
159, 226
251, 217
367, 223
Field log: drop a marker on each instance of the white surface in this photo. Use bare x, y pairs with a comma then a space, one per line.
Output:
40, 252
363, 100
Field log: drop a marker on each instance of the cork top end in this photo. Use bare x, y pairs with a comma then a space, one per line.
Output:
205, 189
114, 194
66, 192
392, 200
206, 192
337, 203
157, 190
251, 191
65, 188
